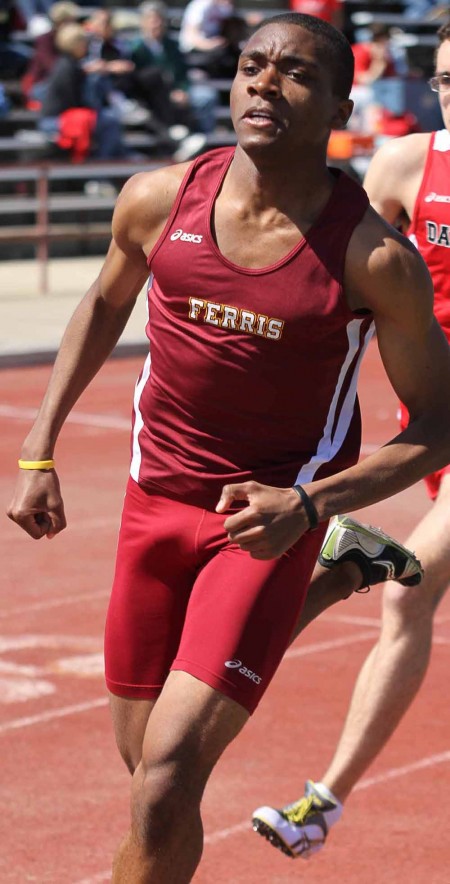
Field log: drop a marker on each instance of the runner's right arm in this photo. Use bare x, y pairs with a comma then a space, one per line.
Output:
95, 327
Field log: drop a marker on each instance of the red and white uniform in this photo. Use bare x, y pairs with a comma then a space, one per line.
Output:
430, 232
252, 375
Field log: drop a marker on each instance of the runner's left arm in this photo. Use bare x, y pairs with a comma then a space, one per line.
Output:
386, 275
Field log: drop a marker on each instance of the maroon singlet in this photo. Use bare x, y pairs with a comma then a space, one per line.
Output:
251, 373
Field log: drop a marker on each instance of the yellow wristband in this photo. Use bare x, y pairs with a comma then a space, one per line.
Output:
36, 464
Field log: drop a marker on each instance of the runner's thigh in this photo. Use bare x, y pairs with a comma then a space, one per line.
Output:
241, 616
156, 568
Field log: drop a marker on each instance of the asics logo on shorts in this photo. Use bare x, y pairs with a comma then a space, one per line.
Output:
237, 664
186, 237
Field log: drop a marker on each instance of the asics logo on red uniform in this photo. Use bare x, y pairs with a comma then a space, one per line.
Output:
186, 237
237, 664
433, 197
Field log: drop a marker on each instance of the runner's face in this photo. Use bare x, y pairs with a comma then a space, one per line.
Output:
283, 91
443, 67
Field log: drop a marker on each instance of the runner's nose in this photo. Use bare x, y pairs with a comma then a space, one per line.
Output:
266, 83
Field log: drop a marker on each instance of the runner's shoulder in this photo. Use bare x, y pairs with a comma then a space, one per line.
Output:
144, 204
154, 191
402, 156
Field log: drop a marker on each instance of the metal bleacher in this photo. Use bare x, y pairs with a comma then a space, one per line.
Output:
42, 195
39, 215
44, 200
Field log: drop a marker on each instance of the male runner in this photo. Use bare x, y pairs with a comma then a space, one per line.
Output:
267, 271
408, 182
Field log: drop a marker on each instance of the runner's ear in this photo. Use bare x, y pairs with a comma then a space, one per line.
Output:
343, 114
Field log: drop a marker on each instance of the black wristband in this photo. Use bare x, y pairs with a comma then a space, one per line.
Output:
311, 512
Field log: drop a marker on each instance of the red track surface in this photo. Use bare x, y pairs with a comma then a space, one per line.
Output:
64, 789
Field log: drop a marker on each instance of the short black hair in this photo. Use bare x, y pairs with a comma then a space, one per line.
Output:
335, 42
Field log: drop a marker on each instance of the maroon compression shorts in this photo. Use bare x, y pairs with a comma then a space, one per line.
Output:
433, 480
185, 598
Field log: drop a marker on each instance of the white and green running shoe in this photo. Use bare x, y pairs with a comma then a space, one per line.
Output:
378, 556
301, 828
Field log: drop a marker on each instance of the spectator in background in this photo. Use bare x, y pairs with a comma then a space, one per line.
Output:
374, 59
212, 35
189, 103
331, 11
14, 55
103, 42
378, 90
149, 90
111, 71
45, 53
94, 130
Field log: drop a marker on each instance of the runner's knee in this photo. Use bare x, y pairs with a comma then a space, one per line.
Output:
409, 609
167, 790
129, 754
130, 718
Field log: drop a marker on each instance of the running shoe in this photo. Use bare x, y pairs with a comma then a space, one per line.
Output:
299, 829
378, 556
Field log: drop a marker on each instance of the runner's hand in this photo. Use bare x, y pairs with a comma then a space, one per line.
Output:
37, 504
271, 523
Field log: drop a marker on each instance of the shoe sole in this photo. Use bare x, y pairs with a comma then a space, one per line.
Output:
269, 834
370, 531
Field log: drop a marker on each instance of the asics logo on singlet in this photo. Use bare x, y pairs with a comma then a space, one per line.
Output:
436, 198
237, 664
186, 237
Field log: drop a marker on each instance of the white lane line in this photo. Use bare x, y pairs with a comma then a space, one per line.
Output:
395, 772
53, 603
83, 665
390, 774
20, 642
329, 645
293, 653
71, 710
222, 834
245, 826
22, 689
18, 723
103, 421
19, 670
